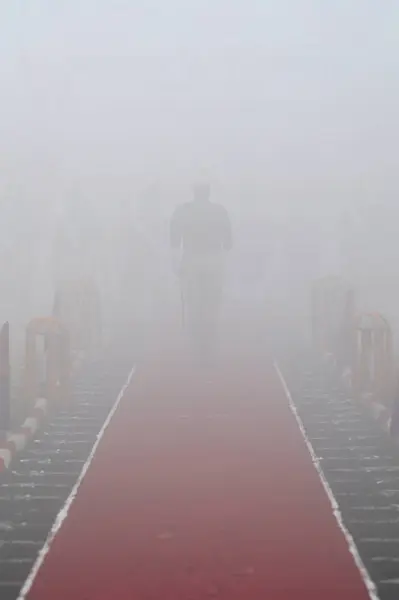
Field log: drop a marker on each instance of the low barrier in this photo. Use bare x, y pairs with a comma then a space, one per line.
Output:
53, 383
333, 315
360, 346
47, 370
77, 305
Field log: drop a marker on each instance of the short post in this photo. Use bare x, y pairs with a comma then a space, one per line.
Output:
57, 361
64, 368
5, 408
373, 372
394, 422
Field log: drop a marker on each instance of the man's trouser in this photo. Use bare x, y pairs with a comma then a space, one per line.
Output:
202, 287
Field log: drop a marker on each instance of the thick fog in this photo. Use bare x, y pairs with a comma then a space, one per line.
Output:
110, 110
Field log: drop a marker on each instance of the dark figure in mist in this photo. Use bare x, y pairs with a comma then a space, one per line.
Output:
200, 235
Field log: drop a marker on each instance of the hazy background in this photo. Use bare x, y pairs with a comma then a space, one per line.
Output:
110, 108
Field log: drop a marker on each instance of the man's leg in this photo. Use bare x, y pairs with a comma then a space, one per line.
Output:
211, 302
190, 299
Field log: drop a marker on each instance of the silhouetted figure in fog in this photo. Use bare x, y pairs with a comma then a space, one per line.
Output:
200, 234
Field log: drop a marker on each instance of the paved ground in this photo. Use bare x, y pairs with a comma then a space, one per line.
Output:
201, 487
359, 463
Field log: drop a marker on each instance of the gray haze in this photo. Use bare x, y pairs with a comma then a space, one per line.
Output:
288, 107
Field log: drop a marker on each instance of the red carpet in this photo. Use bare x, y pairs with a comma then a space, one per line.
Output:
201, 491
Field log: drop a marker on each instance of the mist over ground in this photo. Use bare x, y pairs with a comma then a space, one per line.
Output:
110, 111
